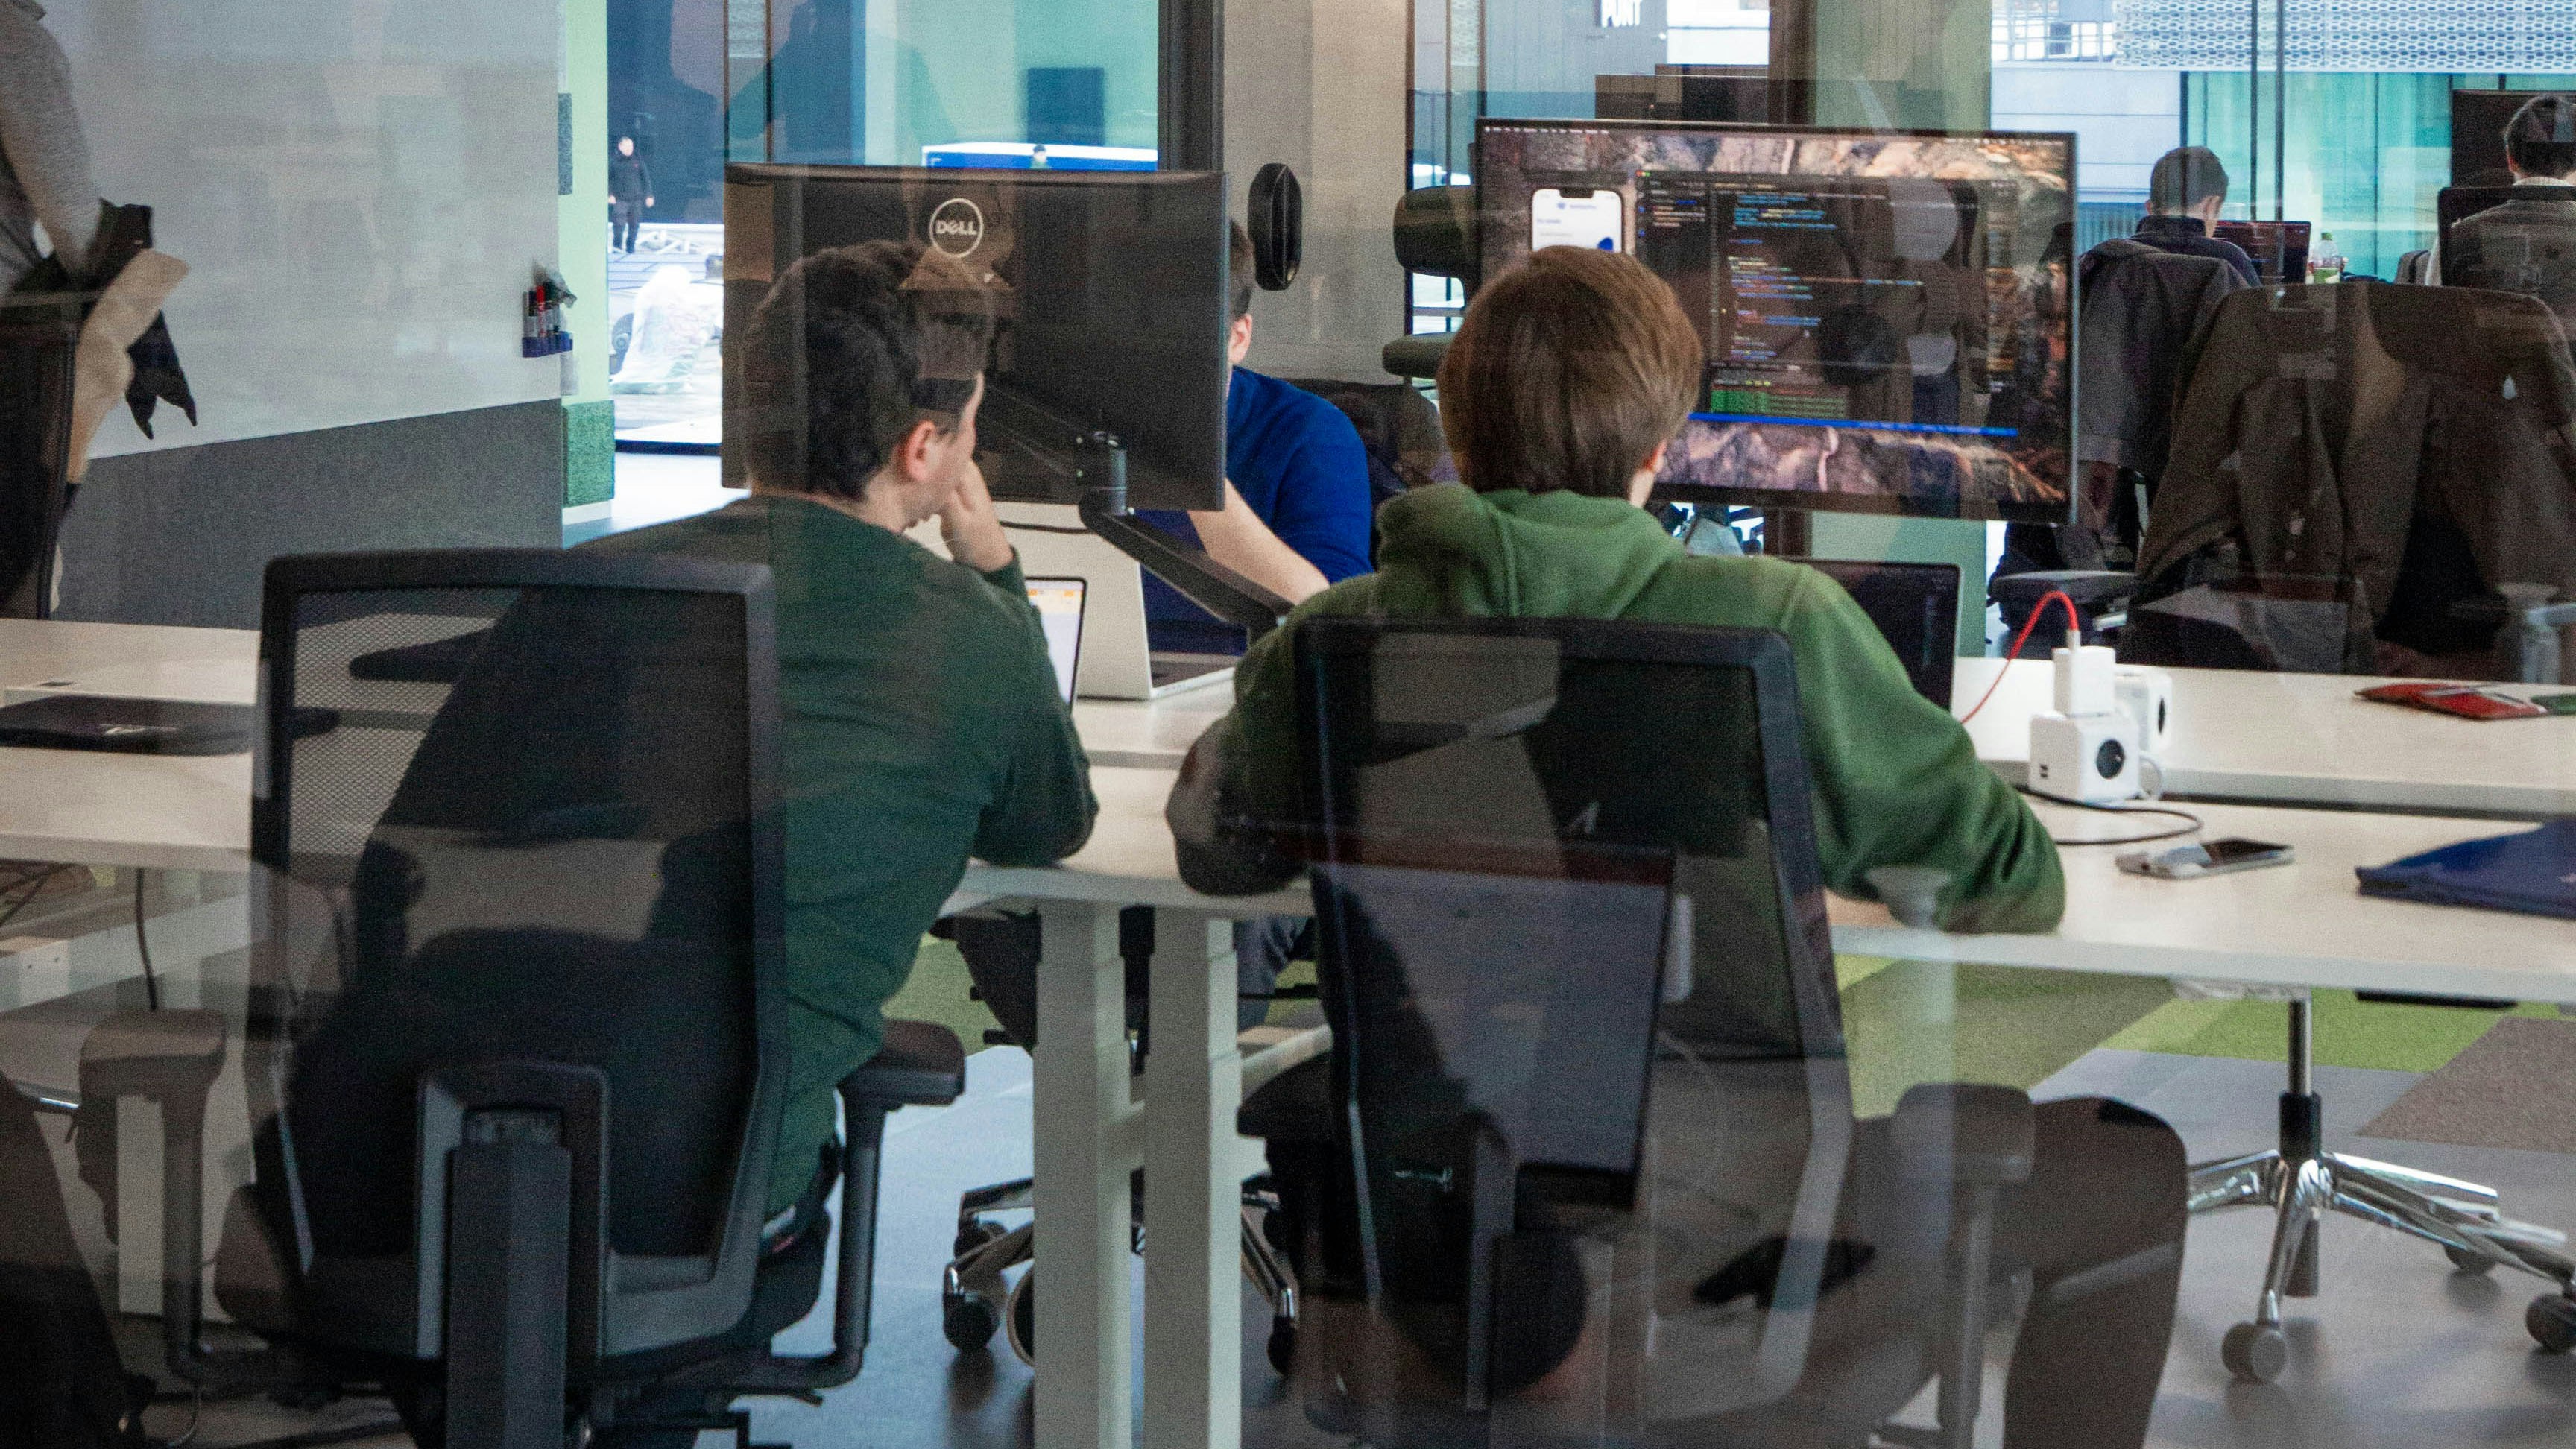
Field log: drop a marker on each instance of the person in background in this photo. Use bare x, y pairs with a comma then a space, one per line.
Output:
2526, 245
630, 193
1297, 503
1565, 383
2185, 193
923, 722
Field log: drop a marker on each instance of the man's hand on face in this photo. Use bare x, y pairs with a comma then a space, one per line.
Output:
969, 525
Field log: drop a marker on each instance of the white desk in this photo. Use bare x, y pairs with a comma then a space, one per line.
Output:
2295, 739
2304, 739
176, 813
1091, 1134
2301, 925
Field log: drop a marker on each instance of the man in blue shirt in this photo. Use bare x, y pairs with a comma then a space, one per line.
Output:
2184, 195
1297, 504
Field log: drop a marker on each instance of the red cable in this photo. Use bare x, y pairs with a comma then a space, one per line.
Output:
2074, 625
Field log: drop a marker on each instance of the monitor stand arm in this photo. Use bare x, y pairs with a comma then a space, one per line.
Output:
1202, 580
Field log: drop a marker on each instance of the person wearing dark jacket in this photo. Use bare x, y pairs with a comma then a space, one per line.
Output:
923, 722
1565, 382
2527, 245
2185, 193
630, 194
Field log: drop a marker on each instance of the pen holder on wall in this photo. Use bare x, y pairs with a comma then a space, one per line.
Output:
542, 332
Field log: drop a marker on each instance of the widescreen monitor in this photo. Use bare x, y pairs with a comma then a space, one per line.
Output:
1109, 290
1887, 315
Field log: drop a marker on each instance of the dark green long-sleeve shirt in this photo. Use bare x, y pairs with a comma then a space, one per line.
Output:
1896, 780
923, 723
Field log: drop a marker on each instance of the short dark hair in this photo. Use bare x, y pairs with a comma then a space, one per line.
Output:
1239, 273
2541, 137
2185, 177
1566, 373
851, 349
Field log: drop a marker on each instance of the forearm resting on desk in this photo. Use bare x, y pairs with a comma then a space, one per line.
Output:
1236, 537
1216, 855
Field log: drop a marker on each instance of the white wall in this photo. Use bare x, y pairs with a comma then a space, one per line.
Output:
1320, 84
360, 188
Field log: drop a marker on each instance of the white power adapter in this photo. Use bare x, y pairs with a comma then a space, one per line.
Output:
2087, 751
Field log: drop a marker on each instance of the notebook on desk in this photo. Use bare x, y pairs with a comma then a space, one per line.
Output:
2530, 871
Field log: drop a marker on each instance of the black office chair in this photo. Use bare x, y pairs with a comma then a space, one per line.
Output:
516, 1048
2388, 492
1568, 903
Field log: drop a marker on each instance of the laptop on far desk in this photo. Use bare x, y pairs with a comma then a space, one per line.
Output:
2279, 248
1116, 662
1916, 609
1059, 606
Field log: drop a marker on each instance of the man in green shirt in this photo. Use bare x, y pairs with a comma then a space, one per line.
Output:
923, 719
1558, 394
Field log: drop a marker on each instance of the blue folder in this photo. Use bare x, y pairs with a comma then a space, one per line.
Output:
2533, 871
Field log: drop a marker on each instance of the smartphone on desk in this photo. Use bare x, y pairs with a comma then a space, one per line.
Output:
2209, 857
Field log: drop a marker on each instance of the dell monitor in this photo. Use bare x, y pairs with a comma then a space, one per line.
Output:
1109, 290
1887, 315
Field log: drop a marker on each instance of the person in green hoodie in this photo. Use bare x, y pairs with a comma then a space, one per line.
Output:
1559, 392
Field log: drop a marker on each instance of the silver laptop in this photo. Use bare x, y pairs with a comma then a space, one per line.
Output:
1059, 606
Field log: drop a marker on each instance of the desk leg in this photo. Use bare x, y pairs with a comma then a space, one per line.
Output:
1085, 1150
1193, 1191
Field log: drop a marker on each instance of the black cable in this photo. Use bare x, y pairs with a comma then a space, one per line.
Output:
1047, 528
2196, 826
143, 948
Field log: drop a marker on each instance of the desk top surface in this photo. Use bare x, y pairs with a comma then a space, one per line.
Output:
2305, 739
2298, 739
2303, 924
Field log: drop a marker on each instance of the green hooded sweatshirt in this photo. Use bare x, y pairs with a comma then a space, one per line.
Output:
1896, 780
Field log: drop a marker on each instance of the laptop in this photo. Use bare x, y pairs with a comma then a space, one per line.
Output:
1059, 606
1916, 608
2279, 248
1116, 661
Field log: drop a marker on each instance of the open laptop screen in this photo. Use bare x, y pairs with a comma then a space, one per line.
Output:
1059, 606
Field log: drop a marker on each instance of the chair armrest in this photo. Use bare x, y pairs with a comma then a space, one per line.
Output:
1980, 1135
159, 1055
920, 1064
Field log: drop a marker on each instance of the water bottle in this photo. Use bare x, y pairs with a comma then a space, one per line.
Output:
2325, 264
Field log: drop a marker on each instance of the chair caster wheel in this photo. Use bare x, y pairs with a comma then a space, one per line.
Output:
2551, 1321
972, 1234
969, 1320
2473, 1263
2253, 1353
1021, 1319
1283, 1346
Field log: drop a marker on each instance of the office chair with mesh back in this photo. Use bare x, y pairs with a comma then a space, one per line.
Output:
516, 1047
2381, 484
1583, 1134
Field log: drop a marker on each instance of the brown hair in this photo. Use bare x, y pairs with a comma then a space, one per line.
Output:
1566, 373
849, 351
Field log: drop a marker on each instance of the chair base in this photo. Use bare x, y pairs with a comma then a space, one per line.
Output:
975, 1300
2301, 1183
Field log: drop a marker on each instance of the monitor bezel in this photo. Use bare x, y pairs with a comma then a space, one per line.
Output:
1879, 505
